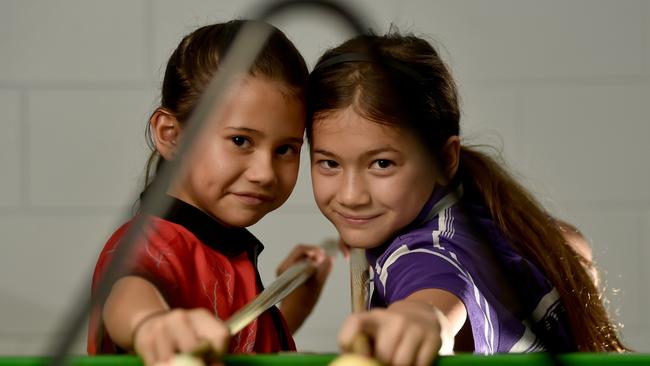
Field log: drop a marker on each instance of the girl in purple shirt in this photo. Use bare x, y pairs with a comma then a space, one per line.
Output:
458, 249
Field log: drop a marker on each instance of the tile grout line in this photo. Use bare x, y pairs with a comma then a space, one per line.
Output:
25, 153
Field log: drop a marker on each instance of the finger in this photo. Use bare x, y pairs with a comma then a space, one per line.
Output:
320, 259
210, 329
350, 328
315, 254
326, 263
389, 333
163, 347
143, 344
408, 345
366, 323
323, 270
145, 349
296, 253
183, 334
429, 349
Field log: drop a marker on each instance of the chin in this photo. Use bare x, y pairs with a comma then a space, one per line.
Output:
244, 221
359, 240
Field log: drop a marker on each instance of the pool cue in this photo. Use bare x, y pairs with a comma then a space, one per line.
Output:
358, 283
288, 281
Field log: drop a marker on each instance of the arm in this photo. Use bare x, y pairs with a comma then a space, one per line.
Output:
299, 304
137, 318
450, 306
131, 300
411, 331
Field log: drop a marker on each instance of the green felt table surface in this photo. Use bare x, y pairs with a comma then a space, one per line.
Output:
534, 359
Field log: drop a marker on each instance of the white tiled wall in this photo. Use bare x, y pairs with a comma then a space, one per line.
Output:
11, 140
561, 87
510, 40
47, 256
72, 40
65, 124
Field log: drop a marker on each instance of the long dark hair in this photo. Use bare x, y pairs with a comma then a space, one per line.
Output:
428, 105
197, 57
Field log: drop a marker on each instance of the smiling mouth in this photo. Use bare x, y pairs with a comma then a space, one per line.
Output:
357, 220
251, 198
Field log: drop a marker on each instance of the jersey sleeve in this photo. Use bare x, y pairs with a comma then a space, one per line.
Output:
410, 269
155, 257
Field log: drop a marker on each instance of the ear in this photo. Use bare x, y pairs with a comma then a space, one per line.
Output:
166, 131
450, 158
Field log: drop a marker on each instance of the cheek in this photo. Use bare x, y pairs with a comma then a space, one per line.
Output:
217, 167
323, 187
288, 173
406, 194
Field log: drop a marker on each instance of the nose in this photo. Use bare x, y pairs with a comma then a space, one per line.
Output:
261, 170
353, 192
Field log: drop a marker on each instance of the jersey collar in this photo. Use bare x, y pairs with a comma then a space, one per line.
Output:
230, 241
441, 199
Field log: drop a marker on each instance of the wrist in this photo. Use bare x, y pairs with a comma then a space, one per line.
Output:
139, 324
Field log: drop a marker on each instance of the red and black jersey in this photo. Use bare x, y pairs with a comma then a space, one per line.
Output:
196, 262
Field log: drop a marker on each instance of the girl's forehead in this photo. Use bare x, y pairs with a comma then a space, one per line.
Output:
262, 103
349, 135
348, 122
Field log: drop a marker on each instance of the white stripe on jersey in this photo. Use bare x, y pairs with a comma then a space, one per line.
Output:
403, 250
489, 329
371, 286
524, 343
548, 301
447, 201
383, 270
442, 227
528, 341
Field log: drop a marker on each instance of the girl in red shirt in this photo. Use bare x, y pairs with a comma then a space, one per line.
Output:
198, 264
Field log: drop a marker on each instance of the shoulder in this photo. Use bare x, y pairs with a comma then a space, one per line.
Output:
414, 264
442, 234
160, 236
165, 230
419, 251
423, 247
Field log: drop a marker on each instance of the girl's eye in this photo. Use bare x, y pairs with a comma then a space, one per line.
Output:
328, 164
383, 163
286, 150
240, 141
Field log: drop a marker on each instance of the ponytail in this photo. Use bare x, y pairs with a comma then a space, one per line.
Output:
536, 236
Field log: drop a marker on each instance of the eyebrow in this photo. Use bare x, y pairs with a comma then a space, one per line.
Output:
295, 140
245, 129
365, 154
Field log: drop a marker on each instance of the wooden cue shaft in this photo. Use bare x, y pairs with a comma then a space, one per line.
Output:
288, 281
358, 283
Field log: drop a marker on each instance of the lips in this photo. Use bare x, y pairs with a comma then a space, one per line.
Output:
356, 219
253, 198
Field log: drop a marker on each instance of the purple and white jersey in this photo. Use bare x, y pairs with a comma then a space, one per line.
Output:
439, 250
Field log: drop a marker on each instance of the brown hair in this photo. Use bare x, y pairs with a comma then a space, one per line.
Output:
428, 105
197, 57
